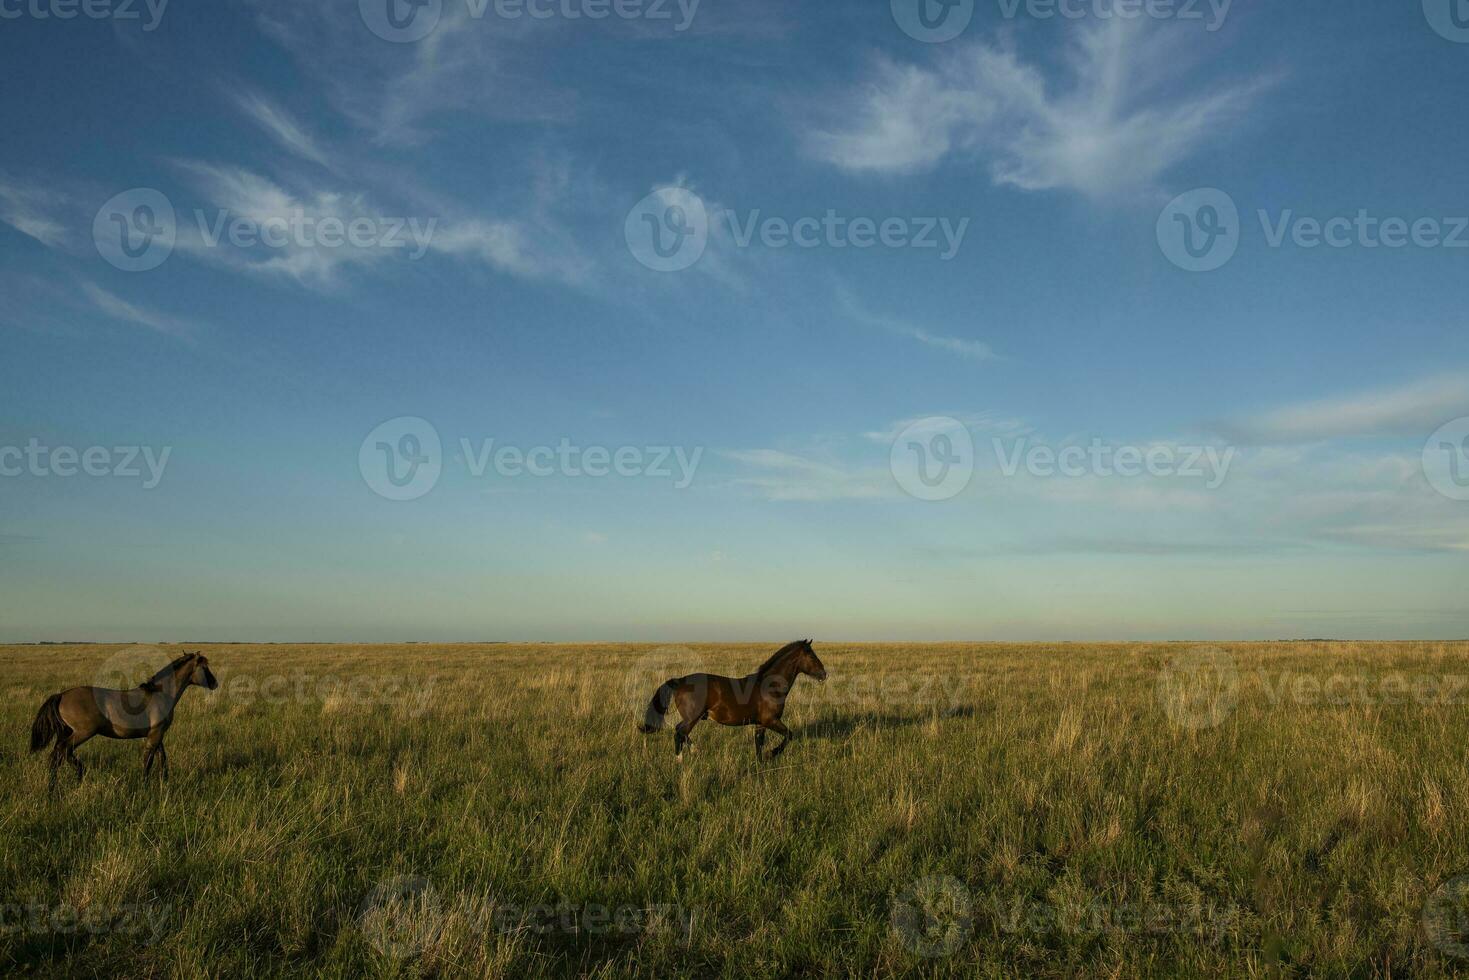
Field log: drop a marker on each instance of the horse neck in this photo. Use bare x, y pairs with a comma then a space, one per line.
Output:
785, 669
173, 686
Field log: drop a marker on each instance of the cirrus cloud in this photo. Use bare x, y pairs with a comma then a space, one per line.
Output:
1113, 125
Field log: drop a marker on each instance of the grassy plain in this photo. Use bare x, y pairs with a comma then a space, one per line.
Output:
1285, 809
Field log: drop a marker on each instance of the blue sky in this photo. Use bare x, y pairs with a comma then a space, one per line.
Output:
526, 152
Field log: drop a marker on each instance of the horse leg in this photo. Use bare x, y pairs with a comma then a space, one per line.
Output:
759, 743
681, 737
58, 754
163, 759
775, 725
681, 733
72, 744
154, 743
691, 710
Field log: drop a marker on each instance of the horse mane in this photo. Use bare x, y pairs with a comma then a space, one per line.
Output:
153, 683
779, 656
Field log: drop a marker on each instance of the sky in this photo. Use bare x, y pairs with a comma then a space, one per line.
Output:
659, 321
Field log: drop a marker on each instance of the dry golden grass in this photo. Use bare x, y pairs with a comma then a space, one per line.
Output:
955, 809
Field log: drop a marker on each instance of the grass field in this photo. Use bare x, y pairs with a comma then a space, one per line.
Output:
962, 809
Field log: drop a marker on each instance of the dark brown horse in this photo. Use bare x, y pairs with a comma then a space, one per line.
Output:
73, 716
756, 699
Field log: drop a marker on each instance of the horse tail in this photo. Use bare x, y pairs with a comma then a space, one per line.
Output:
48, 724
658, 707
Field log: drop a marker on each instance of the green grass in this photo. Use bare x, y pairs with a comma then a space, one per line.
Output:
1058, 810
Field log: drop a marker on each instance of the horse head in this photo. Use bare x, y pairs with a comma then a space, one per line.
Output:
200, 674
807, 662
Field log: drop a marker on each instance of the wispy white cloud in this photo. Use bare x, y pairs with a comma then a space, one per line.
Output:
120, 309
470, 61
515, 247
1111, 127
778, 475
844, 469
32, 210
237, 194
1275, 497
1414, 409
986, 423
975, 350
722, 260
281, 126
906, 119
529, 249
1322, 493
498, 243
1268, 498
394, 93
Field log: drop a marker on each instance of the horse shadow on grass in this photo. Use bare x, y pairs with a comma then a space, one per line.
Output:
845, 726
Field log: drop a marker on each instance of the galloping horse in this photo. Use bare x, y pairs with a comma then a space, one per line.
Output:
74, 716
756, 699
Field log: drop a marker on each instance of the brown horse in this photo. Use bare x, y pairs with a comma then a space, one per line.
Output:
146, 711
756, 699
